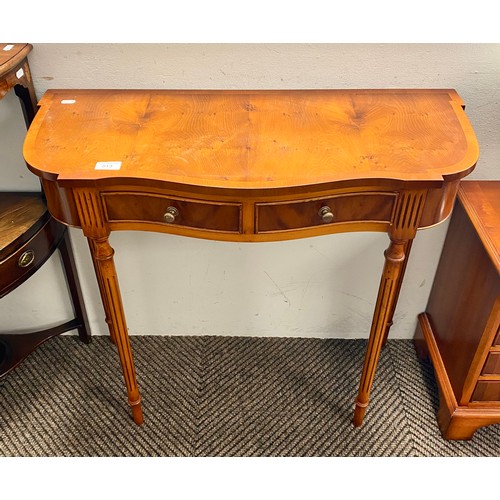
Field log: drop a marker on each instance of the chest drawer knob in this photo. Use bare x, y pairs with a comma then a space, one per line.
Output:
26, 258
170, 214
326, 214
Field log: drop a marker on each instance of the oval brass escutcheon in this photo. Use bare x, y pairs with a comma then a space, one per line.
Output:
26, 258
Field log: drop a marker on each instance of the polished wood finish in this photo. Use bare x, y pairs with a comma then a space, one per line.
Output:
286, 216
251, 166
492, 364
15, 74
254, 139
151, 208
28, 233
461, 322
17, 213
481, 200
38, 236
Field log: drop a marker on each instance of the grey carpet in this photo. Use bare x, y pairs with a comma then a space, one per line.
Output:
225, 396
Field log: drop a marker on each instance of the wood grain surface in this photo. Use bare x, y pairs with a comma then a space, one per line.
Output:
253, 139
482, 202
11, 54
18, 213
14, 68
461, 323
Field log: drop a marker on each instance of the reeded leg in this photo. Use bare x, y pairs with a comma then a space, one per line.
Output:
102, 254
386, 302
103, 292
407, 248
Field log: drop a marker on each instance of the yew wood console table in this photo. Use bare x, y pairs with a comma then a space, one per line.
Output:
251, 166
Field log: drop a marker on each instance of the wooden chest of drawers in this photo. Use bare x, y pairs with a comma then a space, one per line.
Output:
461, 324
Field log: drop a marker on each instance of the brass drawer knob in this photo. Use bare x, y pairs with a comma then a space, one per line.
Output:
326, 214
26, 258
170, 214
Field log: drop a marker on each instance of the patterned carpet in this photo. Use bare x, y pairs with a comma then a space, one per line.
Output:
225, 396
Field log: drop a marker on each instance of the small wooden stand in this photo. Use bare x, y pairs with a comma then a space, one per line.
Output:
28, 233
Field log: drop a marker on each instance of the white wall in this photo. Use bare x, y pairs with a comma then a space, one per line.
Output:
318, 287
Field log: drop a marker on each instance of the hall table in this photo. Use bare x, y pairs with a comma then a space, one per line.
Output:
251, 166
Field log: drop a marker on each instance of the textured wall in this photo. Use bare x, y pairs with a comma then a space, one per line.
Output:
324, 286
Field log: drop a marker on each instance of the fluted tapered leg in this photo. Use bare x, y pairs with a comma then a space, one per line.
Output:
104, 297
399, 283
108, 284
386, 302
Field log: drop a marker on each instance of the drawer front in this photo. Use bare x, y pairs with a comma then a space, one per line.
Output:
21, 264
369, 207
492, 365
487, 391
172, 211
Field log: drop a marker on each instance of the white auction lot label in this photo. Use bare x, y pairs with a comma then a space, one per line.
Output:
108, 165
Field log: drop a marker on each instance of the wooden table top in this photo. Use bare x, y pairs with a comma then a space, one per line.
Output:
481, 200
252, 139
18, 213
11, 54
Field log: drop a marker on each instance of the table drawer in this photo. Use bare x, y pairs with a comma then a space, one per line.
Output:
172, 211
372, 207
492, 365
487, 391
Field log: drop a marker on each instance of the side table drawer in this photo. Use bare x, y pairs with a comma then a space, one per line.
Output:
173, 211
283, 216
18, 266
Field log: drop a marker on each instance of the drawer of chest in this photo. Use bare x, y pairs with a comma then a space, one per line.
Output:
172, 211
359, 207
487, 391
492, 364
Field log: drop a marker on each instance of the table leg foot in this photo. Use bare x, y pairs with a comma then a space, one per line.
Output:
359, 413
137, 415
